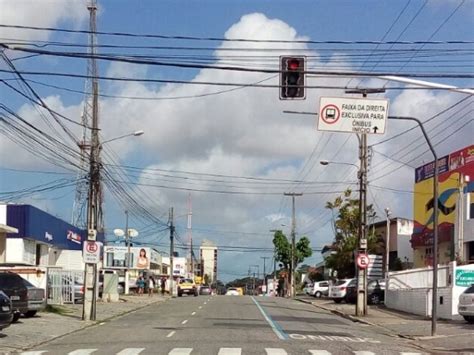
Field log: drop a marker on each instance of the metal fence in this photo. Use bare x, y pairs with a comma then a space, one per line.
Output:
65, 286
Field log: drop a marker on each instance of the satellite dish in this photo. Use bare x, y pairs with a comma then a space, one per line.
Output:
133, 233
119, 232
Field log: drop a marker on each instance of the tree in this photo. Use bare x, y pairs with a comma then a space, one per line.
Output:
346, 217
283, 251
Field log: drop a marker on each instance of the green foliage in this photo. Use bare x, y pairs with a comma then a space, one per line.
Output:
346, 216
283, 249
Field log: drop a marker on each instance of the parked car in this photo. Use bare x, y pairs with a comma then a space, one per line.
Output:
375, 292
338, 291
320, 289
26, 299
6, 311
466, 304
205, 290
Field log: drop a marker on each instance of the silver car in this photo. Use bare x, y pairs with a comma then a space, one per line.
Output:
466, 304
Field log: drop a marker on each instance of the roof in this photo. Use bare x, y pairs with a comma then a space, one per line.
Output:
7, 229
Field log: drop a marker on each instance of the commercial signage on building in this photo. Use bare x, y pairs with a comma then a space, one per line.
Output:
464, 277
452, 168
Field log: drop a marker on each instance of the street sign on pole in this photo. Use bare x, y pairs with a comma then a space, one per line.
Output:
91, 252
353, 115
362, 261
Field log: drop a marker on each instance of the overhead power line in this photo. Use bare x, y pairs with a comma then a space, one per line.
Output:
223, 39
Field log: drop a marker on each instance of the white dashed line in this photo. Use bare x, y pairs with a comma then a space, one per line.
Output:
205, 302
184, 321
171, 334
193, 313
200, 307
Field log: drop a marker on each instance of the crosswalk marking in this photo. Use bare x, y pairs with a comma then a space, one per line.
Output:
131, 351
230, 351
180, 351
275, 351
222, 351
82, 351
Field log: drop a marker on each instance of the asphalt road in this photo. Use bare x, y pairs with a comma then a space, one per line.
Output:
227, 325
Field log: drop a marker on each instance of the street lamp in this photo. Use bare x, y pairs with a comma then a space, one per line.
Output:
327, 162
128, 233
133, 134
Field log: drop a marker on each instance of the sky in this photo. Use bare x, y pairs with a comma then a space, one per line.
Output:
230, 150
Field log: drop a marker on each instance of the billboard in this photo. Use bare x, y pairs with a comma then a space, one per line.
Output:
115, 257
452, 168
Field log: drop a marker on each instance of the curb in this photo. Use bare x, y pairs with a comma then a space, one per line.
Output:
85, 326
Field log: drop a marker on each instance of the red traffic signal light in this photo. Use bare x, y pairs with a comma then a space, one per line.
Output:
292, 78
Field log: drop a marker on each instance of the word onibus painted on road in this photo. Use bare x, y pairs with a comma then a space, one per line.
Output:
353, 115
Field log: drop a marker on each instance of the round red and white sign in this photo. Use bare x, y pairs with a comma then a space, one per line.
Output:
362, 261
92, 247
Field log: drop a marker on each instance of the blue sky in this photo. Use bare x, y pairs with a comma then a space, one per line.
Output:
240, 133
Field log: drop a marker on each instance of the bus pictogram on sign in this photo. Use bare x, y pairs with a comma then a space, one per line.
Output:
330, 114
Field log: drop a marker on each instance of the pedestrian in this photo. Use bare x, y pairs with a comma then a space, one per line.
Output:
163, 285
151, 286
140, 285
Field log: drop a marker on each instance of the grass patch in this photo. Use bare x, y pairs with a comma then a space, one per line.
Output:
57, 310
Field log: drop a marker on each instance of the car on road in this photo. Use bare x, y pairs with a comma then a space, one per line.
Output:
318, 289
26, 298
6, 311
338, 291
232, 291
205, 290
466, 304
375, 292
188, 287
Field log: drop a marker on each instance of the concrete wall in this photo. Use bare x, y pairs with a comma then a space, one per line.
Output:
3, 247
411, 291
68, 259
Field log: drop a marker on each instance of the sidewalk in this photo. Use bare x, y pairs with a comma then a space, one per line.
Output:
452, 335
65, 319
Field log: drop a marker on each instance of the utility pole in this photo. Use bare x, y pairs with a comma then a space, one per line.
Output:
264, 270
190, 236
293, 243
361, 304
94, 203
387, 244
171, 250
128, 257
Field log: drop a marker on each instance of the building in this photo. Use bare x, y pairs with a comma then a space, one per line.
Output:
4, 229
401, 231
40, 239
208, 252
456, 210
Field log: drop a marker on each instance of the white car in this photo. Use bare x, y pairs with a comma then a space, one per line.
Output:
232, 292
338, 290
466, 304
318, 289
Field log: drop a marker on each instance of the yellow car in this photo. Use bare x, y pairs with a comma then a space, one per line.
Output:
188, 287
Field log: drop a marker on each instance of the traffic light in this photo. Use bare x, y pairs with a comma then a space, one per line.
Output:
292, 78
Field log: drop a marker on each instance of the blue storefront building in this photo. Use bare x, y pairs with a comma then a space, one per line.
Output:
42, 239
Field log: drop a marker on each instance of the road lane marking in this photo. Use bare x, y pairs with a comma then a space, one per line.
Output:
205, 302
33, 352
184, 321
131, 351
193, 313
276, 328
319, 352
363, 353
200, 307
410, 353
335, 337
82, 351
180, 351
171, 334
230, 351
275, 351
